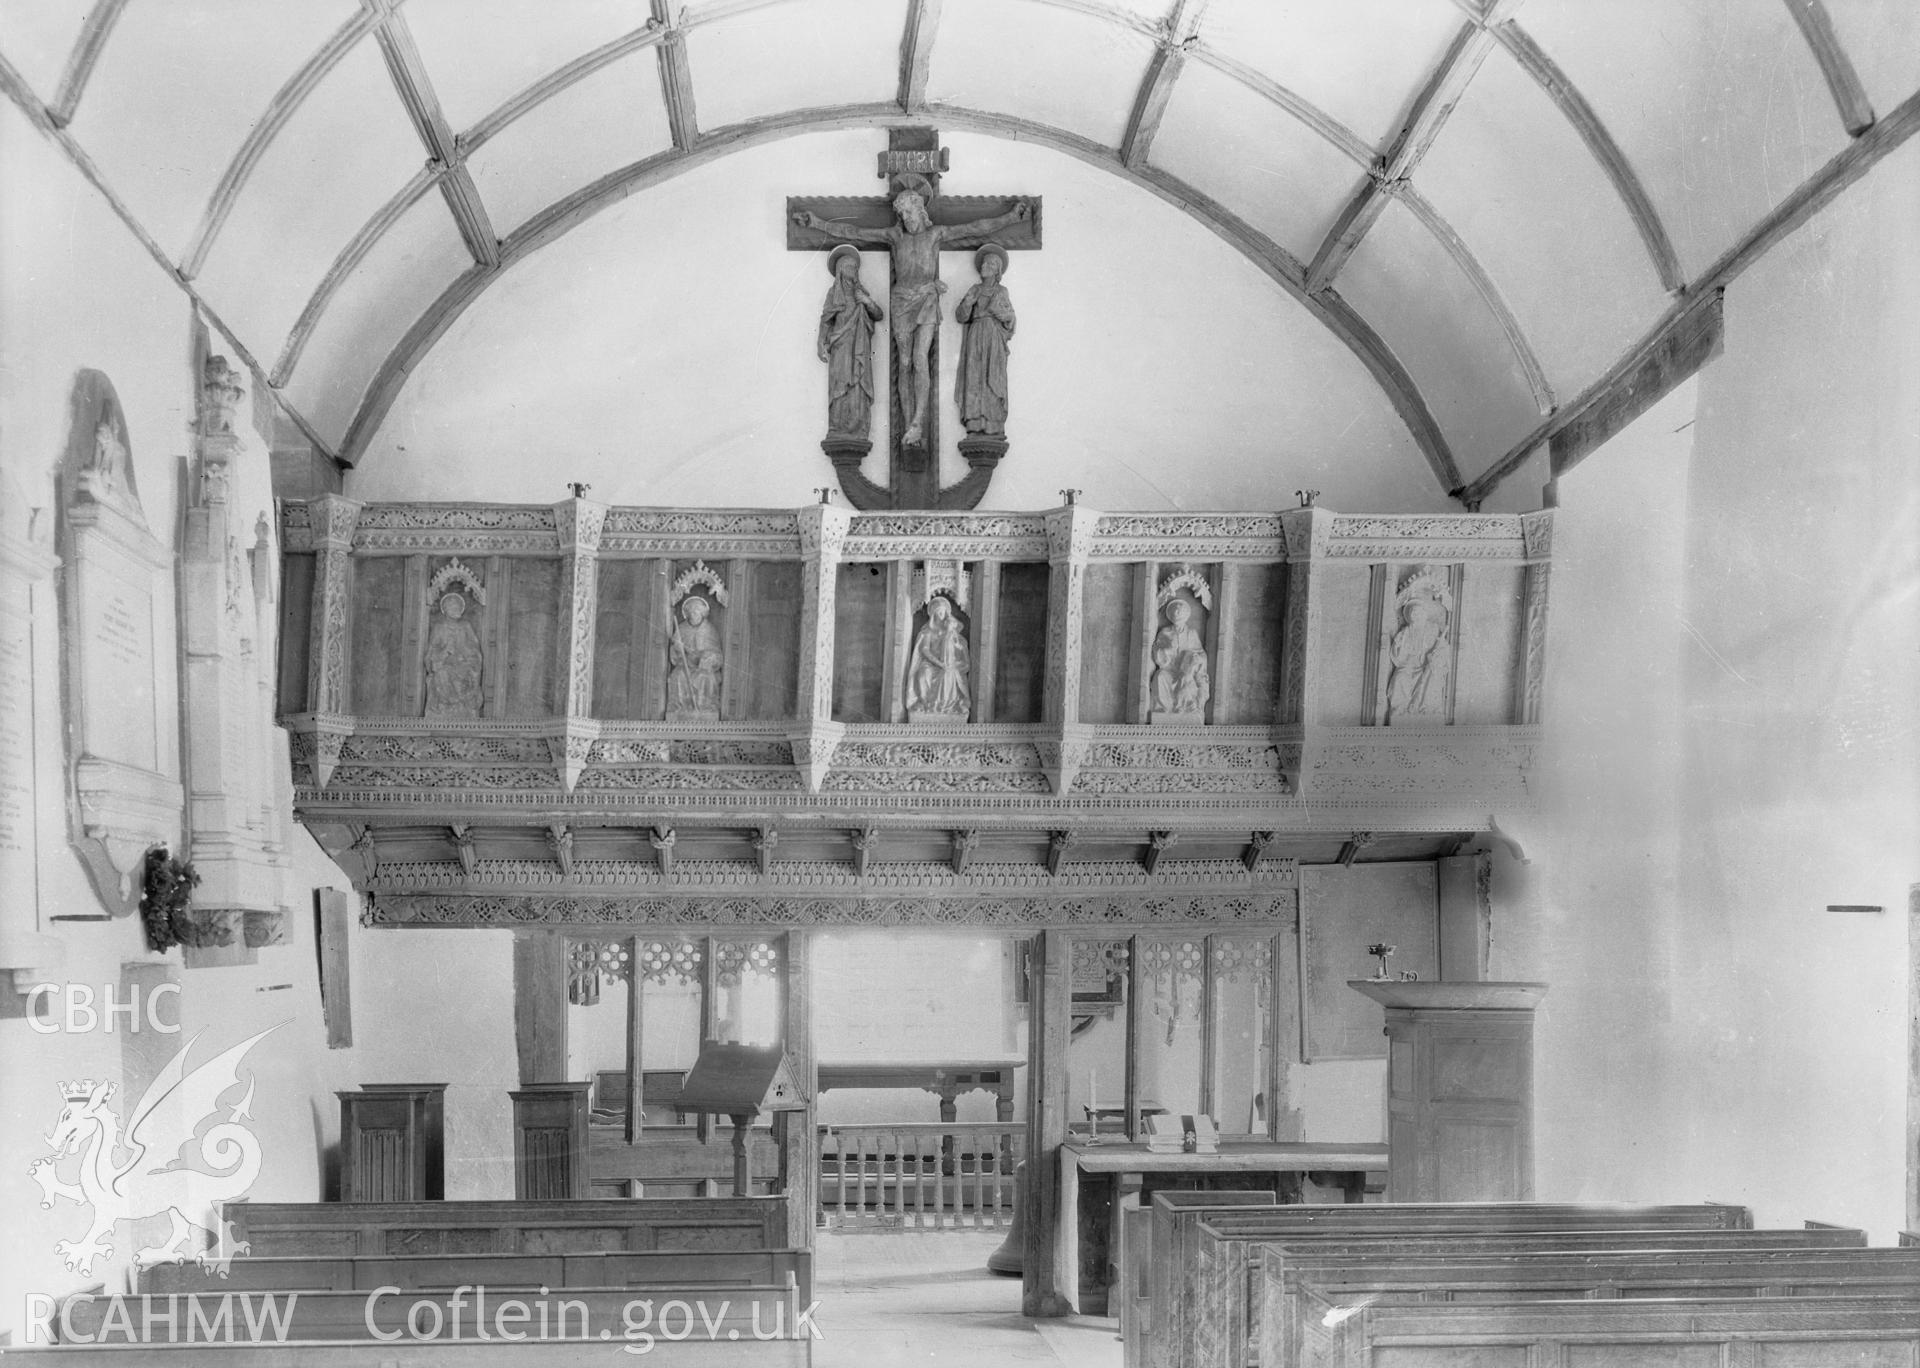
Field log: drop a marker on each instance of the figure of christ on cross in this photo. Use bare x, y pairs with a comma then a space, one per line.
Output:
914, 244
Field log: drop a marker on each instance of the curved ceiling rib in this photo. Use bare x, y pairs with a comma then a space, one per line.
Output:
565, 214
1613, 161
424, 180
279, 109
94, 31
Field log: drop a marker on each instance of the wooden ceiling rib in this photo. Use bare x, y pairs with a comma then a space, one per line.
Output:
415, 89
916, 52
279, 110
1156, 88
676, 77
343, 266
94, 30
15, 88
1176, 40
1818, 190
1849, 96
1424, 119
1574, 108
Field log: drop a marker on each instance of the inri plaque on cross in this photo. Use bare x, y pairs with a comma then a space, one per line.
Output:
914, 224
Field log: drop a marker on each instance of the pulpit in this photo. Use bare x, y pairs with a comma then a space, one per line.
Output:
550, 1141
1459, 1089
392, 1143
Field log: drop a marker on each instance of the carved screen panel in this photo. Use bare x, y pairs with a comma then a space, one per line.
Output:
533, 621
1108, 645
1240, 993
859, 643
296, 626
1097, 1044
1020, 668
380, 660
1253, 633
1170, 1022
626, 684
773, 643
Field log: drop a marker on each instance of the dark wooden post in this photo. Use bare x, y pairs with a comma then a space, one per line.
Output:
1051, 1006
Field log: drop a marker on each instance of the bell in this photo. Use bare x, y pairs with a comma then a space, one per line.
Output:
1011, 1257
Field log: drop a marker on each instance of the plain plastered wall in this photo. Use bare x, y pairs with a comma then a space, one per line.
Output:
1731, 733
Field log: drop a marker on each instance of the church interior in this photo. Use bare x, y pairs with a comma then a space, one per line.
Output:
687, 644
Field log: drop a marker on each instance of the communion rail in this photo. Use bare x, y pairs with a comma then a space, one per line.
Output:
929, 1175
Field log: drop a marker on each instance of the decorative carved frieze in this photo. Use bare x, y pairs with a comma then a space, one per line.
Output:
1252, 910
1188, 536
1426, 537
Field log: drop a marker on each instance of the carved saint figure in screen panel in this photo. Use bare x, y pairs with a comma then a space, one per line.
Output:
1181, 682
939, 686
845, 343
453, 660
980, 381
694, 663
1421, 651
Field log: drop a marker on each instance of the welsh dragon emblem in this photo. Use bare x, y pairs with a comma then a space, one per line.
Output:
167, 1130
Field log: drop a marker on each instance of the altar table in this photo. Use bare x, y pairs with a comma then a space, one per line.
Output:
1130, 1165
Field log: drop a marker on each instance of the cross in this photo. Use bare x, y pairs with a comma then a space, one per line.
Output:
913, 163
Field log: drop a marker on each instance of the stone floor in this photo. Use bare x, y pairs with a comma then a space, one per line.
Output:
925, 1297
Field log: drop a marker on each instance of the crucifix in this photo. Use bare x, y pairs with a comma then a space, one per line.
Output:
913, 224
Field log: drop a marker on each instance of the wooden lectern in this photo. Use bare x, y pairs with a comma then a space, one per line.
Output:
392, 1142
740, 1082
1459, 1089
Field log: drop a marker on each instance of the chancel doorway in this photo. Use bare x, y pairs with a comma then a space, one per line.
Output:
921, 1038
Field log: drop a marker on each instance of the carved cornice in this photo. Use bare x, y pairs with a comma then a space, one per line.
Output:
1426, 537
1251, 908
1188, 536
960, 536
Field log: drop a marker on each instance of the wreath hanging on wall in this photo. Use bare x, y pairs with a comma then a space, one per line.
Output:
166, 898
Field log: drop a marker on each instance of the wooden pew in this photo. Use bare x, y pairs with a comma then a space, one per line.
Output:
1227, 1270
1136, 1259
1781, 1332
364, 1272
690, 1223
1307, 1293
1175, 1286
395, 1316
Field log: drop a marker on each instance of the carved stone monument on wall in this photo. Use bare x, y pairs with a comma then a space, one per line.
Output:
236, 812
27, 953
122, 695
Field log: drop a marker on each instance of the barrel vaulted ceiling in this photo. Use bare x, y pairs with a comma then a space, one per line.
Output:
1493, 204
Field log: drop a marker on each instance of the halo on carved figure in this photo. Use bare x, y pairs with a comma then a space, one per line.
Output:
990, 249
942, 580
700, 573
1190, 579
845, 249
453, 572
1429, 582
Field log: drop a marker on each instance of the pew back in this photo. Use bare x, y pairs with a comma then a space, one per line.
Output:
1782, 1332
1230, 1253
364, 1272
1176, 1284
1135, 1296
579, 1226
1306, 1294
